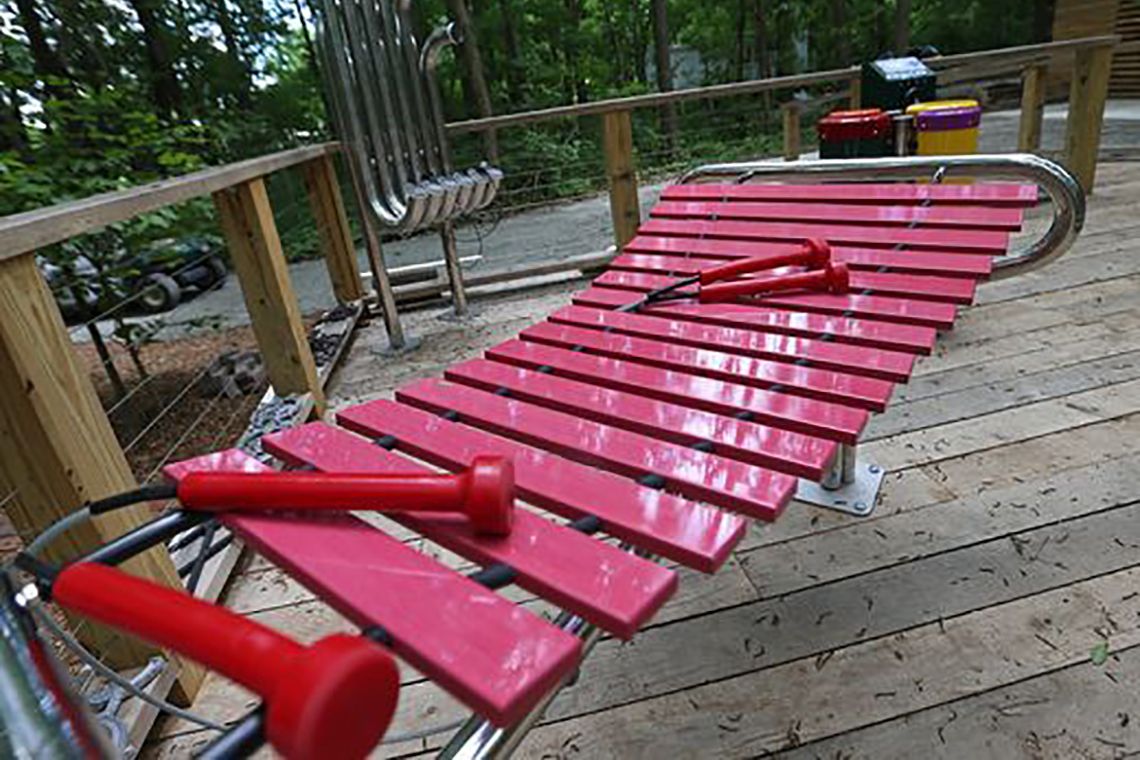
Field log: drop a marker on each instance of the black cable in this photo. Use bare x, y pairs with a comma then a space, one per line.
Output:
157, 492
209, 554
199, 562
242, 740
145, 536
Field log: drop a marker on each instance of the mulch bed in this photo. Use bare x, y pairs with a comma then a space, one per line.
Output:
196, 418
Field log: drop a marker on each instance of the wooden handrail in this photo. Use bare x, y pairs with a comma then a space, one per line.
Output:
753, 86
652, 100
25, 232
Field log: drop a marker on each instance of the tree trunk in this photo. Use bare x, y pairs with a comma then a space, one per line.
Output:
763, 64
739, 57
615, 42
1043, 20
577, 89
514, 62
47, 62
164, 81
473, 69
235, 52
840, 33
760, 38
310, 49
637, 37
13, 135
902, 26
664, 72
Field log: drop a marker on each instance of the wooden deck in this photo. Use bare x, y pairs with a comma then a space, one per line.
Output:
989, 608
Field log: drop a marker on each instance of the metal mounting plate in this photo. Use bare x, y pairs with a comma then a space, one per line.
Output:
855, 498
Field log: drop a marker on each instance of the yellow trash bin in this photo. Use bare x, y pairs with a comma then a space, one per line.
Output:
946, 127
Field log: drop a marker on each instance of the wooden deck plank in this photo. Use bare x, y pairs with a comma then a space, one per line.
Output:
784, 706
1004, 427
1083, 710
976, 401
1077, 343
974, 476
910, 535
817, 620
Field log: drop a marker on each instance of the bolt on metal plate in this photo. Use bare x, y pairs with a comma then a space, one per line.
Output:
855, 498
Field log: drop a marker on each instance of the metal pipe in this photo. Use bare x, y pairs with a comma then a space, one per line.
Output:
479, 739
454, 185
362, 73
376, 75
378, 49
335, 49
40, 716
422, 191
442, 192
415, 189
1065, 193
414, 155
410, 72
441, 37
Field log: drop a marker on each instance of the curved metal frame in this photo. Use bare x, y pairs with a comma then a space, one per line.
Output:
385, 102
1063, 189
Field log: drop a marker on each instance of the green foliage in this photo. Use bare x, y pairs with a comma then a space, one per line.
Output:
83, 118
132, 91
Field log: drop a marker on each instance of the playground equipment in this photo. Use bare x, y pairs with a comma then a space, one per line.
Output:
663, 426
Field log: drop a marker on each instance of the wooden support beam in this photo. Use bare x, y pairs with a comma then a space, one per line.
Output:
1032, 107
454, 272
617, 142
332, 226
791, 114
60, 452
255, 249
1087, 93
855, 92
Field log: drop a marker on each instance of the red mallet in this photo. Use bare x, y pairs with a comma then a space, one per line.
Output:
332, 699
815, 254
834, 278
485, 492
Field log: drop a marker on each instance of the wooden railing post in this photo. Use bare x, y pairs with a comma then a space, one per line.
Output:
855, 92
255, 249
454, 271
1032, 107
617, 142
332, 227
60, 451
791, 113
1087, 93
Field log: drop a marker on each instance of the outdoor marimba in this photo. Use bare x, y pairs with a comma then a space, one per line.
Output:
658, 408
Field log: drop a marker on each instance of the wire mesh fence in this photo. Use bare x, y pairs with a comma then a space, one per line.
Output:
552, 205
163, 331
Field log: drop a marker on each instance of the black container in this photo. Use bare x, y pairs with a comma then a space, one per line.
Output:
892, 84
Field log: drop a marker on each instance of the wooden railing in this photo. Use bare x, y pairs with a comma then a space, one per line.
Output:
59, 448
1091, 62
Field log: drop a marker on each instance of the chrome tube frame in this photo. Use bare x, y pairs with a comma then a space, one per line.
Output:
40, 715
1063, 189
386, 107
479, 739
